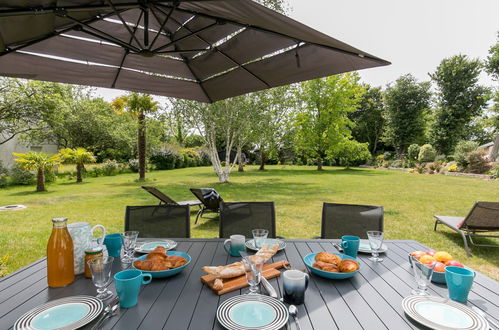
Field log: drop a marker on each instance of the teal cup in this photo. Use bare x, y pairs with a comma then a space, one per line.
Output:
113, 244
459, 281
128, 284
350, 245
235, 245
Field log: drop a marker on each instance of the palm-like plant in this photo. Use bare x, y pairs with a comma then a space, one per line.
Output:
37, 161
78, 156
137, 105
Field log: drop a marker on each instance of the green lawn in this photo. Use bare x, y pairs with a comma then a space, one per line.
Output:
409, 200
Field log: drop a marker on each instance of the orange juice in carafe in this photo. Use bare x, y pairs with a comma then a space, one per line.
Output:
60, 262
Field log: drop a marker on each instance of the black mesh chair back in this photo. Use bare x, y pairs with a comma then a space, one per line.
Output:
159, 195
242, 217
209, 197
160, 221
349, 219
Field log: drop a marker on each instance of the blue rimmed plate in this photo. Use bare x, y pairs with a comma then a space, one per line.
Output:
442, 313
310, 259
248, 312
63, 314
170, 272
147, 247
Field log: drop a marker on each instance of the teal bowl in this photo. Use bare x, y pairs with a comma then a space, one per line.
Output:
310, 259
170, 272
436, 277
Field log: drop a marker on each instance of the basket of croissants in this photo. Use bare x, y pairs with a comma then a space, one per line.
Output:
160, 263
332, 265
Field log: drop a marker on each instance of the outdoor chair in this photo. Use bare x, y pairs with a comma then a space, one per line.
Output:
159, 220
210, 200
242, 217
350, 219
165, 199
482, 220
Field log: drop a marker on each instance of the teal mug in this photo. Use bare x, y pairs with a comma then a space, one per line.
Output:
127, 283
235, 244
113, 244
350, 245
459, 281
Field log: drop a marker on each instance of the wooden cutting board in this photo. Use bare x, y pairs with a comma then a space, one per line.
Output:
236, 283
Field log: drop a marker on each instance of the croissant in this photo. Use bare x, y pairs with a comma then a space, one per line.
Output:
330, 258
348, 266
326, 266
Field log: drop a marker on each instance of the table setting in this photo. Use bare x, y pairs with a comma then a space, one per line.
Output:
266, 285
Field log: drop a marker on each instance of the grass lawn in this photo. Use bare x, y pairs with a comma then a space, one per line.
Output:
410, 201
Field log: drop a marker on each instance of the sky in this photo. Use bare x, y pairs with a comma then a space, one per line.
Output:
414, 35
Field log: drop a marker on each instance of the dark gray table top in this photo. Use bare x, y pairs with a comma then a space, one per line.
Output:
370, 300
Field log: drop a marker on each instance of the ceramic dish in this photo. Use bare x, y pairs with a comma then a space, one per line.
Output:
250, 244
442, 314
252, 312
436, 277
170, 272
147, 247
63, 314
310, 259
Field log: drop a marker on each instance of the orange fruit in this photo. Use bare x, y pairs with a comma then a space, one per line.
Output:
426, 259
442, 256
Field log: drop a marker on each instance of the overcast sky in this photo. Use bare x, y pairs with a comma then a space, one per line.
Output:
415, 35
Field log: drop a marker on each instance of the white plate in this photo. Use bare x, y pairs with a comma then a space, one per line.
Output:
64, 314
365, 247
147, 247
250, 244
252, 312
442, 314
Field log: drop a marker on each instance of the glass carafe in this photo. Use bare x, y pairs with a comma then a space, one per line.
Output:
60, 262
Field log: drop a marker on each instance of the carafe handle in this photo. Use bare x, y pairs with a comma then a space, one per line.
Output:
100, 240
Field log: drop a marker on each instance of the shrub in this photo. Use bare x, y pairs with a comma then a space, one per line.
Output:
379, 160
452, 168
167, 158
133, 165
110, 167
426, 153
205, 157
461, 151
20, 176
441, 158
4, 172
420, 168
478, 162
434, 168
388, 155
413, 152
193, 157
50, 176
397, 163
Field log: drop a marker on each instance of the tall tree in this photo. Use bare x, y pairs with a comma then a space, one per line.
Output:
39, 162
323, 126
492, 66
460, 98
138, 105
368, 118
406, 103
79, 157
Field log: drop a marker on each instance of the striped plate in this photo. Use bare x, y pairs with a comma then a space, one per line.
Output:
250, 311
442, 314
63, 314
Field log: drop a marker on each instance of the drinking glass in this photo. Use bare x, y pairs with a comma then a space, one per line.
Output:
129, 239
101, 275
254, 267
376, 241
422, 274
259, 236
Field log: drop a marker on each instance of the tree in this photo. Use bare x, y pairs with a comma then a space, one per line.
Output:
37, 161
368, 118
323, 127
78, 156
492, 62
138, 105
492, 66
281, 6
406, 103
460, 99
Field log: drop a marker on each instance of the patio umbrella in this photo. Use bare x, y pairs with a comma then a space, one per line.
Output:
198, 50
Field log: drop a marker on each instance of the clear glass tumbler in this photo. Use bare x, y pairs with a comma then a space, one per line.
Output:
129, 239
376, 241
259, 237
422, 274
101, 275
254, 267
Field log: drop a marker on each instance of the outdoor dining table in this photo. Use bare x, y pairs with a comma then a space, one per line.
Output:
369, 300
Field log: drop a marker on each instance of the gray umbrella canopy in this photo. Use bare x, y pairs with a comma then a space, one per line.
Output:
197, 50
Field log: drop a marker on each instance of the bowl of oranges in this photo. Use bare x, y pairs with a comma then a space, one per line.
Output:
441, 259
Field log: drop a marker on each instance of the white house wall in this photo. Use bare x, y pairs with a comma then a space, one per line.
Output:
15, 145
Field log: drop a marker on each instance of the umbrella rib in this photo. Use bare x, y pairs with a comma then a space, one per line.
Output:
162, 27
193, 33
124, 23
126, 53
200, 83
